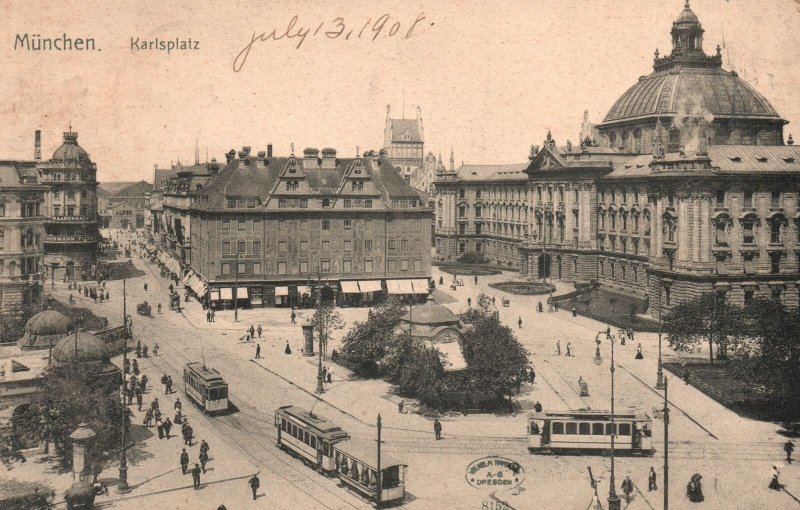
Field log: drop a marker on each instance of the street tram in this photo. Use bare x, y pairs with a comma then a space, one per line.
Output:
324, 446
205, 387
589, 432
357, 469
308, 436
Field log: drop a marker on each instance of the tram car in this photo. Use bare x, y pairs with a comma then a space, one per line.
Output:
357, 469
589, 432
324, 446
205, 387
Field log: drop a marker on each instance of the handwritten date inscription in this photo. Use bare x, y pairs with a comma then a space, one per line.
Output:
336, 29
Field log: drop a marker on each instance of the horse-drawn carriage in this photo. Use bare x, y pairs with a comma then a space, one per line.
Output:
143, 309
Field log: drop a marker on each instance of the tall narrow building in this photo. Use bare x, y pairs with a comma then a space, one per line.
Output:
403, 143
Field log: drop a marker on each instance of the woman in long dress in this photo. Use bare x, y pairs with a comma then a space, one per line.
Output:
775, 483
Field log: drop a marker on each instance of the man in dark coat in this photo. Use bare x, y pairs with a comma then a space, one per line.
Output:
167, 426
788, 448
258, 351
203, 460
184, 461
255, 483
437, 428
651, 480
627, 488
196, 477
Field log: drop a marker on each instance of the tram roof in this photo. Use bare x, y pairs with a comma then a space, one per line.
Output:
313, 420
367, 453
588, 415
207, 374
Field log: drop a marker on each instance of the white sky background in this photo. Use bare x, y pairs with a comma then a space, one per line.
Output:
491, 77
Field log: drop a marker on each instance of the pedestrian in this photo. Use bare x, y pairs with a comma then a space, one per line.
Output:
330, 375
788, 448
252, 331
164, 383
138, 348
155, 349
569, 349
208, 316
203, 460
144, 351
287, 350
178, 406
129, 394
196, 477
519, 322
539, 307
157, 415
324, 374
774, 482
135, 367
184, 461
189, 434
293, 316
104, 284
255, 483
159, 308
469, 302
143, 383
532, 375
138, 393
627, 488
169, 384
145, 287
167, 426
148, 418
639, 351
574, 312
213, 316
651, 480
558, 347
695, 489
476, 279
400, 406
154, 404
259, 330
204, 448
160, 428
258, 351
437, 428
686, 375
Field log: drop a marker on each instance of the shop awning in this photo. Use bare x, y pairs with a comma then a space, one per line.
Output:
420, 286
282, 291
226, 294
303, 289
370, 285
187, 277
198, 286
393, 287
241, 293
214, 295
350, 287
406, 287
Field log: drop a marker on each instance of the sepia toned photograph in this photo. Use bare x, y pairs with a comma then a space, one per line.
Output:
538, 255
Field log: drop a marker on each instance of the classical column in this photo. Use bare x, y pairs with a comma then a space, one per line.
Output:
696, 225
683, 229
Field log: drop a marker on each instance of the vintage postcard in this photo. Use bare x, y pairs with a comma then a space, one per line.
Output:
535, 255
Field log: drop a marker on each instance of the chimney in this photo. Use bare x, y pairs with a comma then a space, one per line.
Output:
37, 145
269, 150
230, 155
328, 158
213, 167
702, 139
310, 157
260, 159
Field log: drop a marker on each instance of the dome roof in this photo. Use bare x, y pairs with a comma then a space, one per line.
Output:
691, 90
687, 16
89, 348
70, 151
430, 313
48, 322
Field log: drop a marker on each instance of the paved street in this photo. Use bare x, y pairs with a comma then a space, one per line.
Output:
733, 454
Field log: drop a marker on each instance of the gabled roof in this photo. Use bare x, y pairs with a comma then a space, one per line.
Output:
134, 190
400, 127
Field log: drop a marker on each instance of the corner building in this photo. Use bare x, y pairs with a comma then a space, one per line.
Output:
688, 188
274, 224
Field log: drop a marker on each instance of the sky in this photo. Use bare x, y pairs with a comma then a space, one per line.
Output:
490, 77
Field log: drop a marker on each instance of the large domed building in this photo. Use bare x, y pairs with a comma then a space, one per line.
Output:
686, 187
71, 224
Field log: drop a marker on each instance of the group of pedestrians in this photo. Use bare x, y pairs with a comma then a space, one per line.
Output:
211, 315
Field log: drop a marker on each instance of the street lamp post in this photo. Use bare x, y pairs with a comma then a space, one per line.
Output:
122, 486
660, 374
666, 448
320, 388
613, 499
379, 481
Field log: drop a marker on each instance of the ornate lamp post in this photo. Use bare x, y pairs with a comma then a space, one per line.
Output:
122, 486
379, 478
660, 374
320, 388
613, 499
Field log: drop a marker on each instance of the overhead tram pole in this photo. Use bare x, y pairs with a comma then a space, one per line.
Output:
236, 288
666, 448
320, 387
660, 374
379, 478
613, 499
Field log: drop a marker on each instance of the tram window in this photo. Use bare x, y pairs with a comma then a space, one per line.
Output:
283, 425
294, 430
326, 449
213, 395
608, 429
572, 428
223, 393
583, 429
305, 437
558, 428
624, 429
597, 429
314, 442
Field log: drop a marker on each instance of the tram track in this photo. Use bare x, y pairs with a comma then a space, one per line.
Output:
245, 436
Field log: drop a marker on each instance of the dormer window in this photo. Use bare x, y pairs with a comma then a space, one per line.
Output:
326, 202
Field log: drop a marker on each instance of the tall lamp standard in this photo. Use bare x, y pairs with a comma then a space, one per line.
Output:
660, 374
320, 388
122, 486
236, 289
666, 448
613, 499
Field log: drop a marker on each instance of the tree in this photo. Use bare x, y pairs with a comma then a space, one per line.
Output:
68, 396
708, 318
325, 321
772, 353
473, 257
420, 373
365, 345
494, 356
